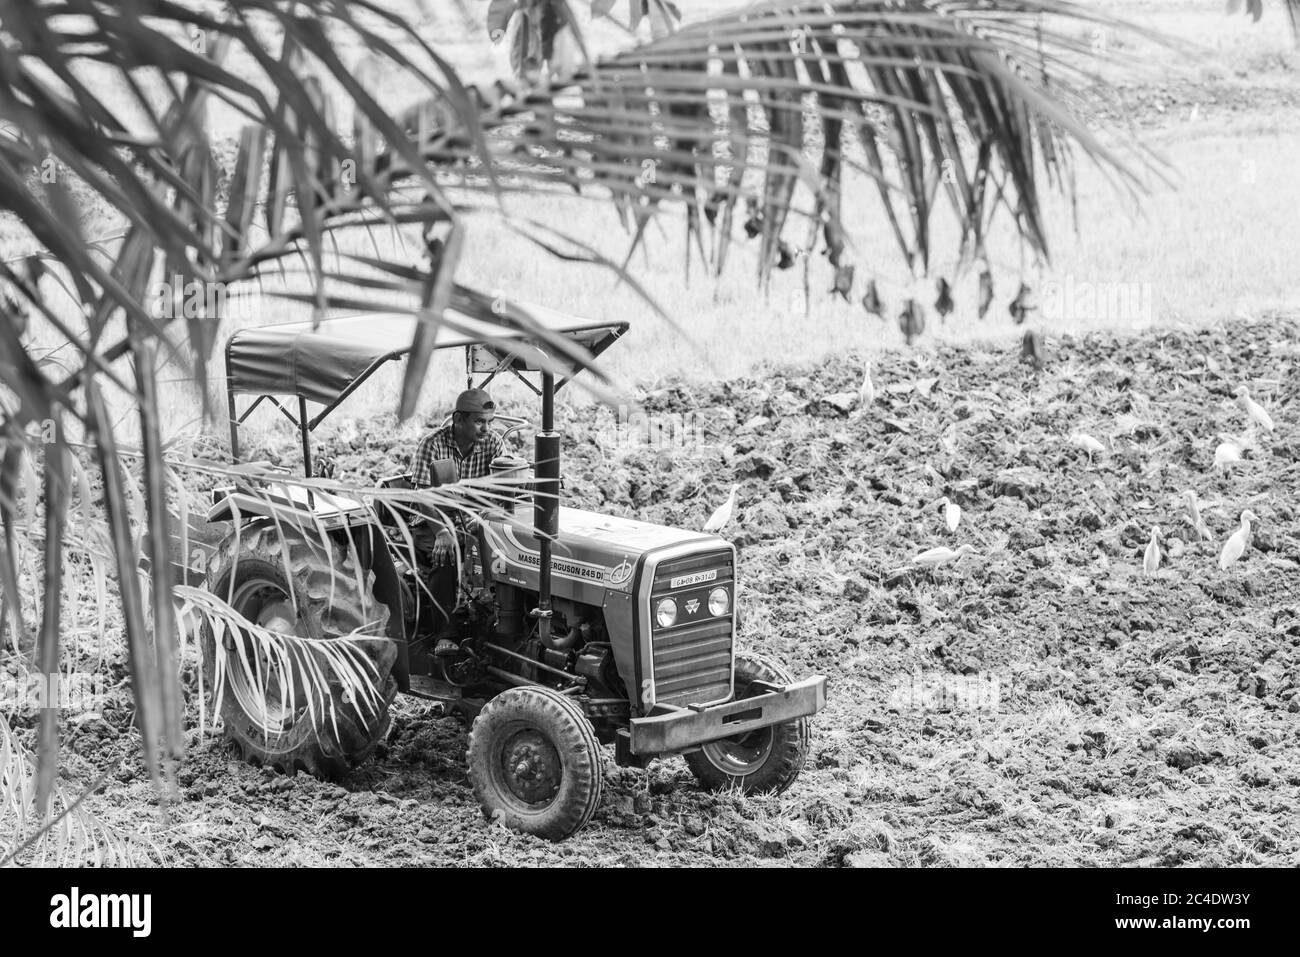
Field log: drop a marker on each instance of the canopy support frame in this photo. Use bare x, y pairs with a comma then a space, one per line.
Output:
306, 425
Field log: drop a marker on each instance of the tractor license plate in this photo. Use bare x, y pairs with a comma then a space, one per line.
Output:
695, 579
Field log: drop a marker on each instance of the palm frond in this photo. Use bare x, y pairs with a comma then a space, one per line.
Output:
1255, 8
290, 666
950, 94
65, 834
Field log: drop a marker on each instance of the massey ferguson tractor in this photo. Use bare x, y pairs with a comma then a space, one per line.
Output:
575, 629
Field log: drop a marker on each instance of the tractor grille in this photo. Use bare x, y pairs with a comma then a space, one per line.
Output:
692, 659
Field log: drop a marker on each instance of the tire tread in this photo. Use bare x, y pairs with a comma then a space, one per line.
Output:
312, 571
790, 741
564, 713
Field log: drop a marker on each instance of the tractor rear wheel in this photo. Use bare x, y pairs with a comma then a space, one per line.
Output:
270, 707
766, 760
535, 763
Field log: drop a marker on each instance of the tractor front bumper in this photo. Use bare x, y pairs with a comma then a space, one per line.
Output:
683, 728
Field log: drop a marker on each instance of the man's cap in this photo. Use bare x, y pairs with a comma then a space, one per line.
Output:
475, 400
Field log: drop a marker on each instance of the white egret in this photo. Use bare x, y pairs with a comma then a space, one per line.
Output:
951, 513
1151, 559
723, 515
1087, 443
1257, 413
1235, 546
867, 394
942, 555
1198, 523
1226, 454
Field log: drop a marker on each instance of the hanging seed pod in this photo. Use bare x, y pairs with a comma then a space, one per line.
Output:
712, 205
986, 291
1023, 304
911, 320
834, 235
871, 301
843, 282
943, 305
784, 255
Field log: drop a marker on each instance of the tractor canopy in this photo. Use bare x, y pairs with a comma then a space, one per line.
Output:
325, 361
322, 361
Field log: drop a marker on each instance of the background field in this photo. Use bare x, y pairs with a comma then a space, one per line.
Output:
1128, 721
1212, 242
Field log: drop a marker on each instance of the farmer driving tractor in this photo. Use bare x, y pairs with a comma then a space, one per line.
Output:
469, 443
582, 629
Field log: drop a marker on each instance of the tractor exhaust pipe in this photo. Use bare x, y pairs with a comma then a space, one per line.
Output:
546, 502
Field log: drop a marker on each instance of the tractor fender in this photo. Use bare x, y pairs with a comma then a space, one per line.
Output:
305, 509
620, 626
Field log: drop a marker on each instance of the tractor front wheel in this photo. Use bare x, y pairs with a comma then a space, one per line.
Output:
535, 763
762, 761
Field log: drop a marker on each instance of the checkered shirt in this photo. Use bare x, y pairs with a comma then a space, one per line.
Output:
441, 444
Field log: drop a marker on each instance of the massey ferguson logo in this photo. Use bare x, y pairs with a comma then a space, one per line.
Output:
621, 573
692, 606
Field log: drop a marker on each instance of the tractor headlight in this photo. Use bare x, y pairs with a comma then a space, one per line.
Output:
666, 613
719, 602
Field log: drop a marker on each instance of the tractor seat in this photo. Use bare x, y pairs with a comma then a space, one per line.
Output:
444, 473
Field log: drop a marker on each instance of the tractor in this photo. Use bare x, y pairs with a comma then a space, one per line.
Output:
576, 629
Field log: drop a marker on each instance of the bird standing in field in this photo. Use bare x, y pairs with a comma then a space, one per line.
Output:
1087, 443
1257, 412
723, 515
1151, 558
1198, 523
951, 513
867, 394
1226, 454
942, 555
1235, 546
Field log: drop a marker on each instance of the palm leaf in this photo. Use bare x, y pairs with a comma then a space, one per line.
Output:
47, 648
144, 676
72, 835
157, 553
10, 461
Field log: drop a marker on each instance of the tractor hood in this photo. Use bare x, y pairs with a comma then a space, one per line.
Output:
594, 553
623, 567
